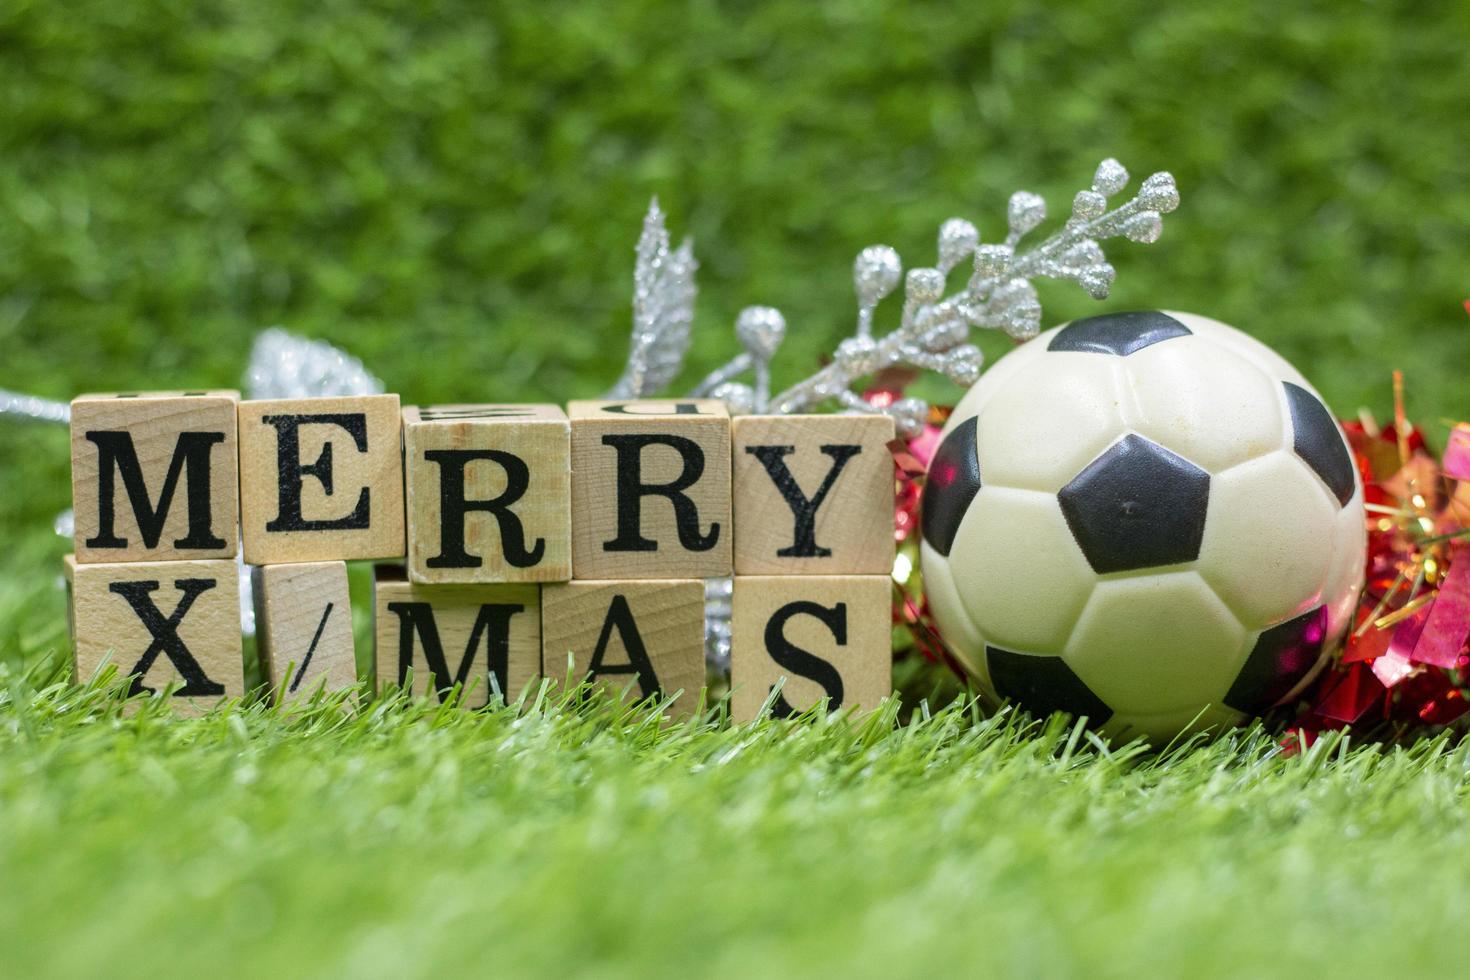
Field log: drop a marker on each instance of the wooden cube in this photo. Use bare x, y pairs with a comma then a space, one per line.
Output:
813, 494
485, 638
154, 476
489, 493
827, 636
650, 489
321, 479
642, 637
160, 623
303, 628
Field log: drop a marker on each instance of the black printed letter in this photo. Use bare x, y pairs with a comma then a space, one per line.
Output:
291, 471
116, 453
453, 507
165, 634
632, 490
493, 623
799, 661
620, 617
804, 543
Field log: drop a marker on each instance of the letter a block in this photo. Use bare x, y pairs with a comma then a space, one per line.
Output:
813, 494
321, 479
650, 489
303, 628
827, 636
160, 623
154, 476
489, 493
485, 638
643, 637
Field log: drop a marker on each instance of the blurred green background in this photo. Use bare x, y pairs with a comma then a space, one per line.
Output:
452, 191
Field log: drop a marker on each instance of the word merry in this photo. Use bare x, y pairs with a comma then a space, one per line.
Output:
534, 541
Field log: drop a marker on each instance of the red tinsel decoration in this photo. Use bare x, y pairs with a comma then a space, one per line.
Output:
1406, 660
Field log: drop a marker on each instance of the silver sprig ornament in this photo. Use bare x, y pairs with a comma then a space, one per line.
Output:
933, 331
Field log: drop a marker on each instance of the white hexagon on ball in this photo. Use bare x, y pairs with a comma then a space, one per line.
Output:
1208, 492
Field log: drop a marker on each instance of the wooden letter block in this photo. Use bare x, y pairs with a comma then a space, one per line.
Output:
485, 638
154, 476
644, 637
827, 636
160, 623
650, 489
813, 494
489, 493
321, 479
303, 628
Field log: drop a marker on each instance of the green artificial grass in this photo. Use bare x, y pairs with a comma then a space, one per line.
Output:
452, 191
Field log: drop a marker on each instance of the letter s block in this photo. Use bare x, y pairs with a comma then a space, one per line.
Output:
644, 637
161, 623
489, 493
821, 636
813, 494
154, 476
484, 638
321, 479
650, 489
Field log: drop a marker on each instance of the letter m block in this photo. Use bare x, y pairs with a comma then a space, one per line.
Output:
155, 476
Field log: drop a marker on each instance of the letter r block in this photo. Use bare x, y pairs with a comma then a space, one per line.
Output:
489, 493
645, 637
813, 494
154, 476
321, 479
820, 636
482, 637
161, 623
650, 489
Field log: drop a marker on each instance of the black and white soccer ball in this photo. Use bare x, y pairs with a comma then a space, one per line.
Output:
1150, 519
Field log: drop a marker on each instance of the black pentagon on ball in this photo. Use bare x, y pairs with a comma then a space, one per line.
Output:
1118, 333
1282, 656
1137, 506
1318, 441
1043, 685
953, 479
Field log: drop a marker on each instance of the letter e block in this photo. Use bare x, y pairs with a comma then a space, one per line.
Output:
489, 493
321, 479
650, 489
154, 476
827, 636
485, 638
303, 628
813, 494
161, 623
644, 637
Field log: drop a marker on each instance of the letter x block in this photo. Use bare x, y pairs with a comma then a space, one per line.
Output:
303, 628
154, 476
160, 623
650, 489
489, 493
813, 494
321, 479
827, 636
645, 637
485, 638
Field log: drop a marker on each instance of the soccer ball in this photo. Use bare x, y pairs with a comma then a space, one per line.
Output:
1149, 519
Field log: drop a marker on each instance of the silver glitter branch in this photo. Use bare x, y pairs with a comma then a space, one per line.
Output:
933, 332
30, 407
663, 309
